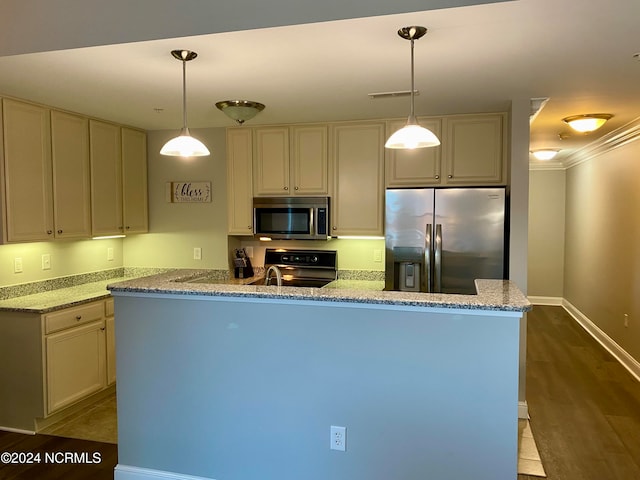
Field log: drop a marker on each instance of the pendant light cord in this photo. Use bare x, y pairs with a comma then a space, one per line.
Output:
412, 116
184, 92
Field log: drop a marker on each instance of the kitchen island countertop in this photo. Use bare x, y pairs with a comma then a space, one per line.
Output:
497, 295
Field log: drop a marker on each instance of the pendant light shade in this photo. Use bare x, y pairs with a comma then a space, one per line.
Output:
412, 135
184, 145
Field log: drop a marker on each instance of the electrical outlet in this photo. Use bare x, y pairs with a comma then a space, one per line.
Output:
197, 253
626, 320
46, 261
110, 254
338, 438
17, 265
377, 255
249, 251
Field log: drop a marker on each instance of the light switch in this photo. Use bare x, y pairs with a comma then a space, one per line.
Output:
17, 265
46, 261
110, 254
197, 253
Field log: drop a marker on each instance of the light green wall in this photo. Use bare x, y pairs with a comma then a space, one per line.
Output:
67, 258
546, 233
176, 228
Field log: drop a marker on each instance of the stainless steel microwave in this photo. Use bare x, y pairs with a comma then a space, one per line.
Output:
291, 218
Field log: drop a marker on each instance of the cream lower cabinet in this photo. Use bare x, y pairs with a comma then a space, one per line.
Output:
357, 203
76, 364
239, 181
75, 351
110, 341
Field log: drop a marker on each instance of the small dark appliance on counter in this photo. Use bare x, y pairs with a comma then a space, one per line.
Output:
242, 264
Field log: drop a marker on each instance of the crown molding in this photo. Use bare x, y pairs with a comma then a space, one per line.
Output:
612, 140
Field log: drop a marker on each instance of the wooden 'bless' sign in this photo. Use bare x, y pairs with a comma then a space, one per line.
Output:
190, 192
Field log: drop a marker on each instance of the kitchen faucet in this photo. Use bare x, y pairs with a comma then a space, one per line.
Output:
267, 277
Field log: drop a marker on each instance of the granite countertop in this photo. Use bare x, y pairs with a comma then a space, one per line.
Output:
500, 295
57, 299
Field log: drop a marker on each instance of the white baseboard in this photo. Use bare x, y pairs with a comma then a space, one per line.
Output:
17, 430
555, 301
603, 339
126, 472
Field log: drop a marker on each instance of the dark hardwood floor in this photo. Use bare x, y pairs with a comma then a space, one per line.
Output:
584, 408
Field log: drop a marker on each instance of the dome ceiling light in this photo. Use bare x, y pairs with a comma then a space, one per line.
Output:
545, 154
184, 145
587, 123
240, 110
412, 135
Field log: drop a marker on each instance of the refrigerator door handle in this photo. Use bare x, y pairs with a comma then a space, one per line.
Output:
437, 283
426, 274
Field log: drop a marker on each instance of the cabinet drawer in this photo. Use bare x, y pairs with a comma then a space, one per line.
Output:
108, 307
72, 317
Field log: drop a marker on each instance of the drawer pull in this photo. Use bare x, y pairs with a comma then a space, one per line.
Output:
78, 317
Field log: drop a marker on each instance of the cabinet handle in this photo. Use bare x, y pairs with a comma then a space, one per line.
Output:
286, 188
249, 227
128, 227
437, 177
59, 231
450, 176
102, 329
49, 232
78, 317
296, 188
335, 228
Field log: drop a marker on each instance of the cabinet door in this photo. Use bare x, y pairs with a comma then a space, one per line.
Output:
111, 349
358, 165
27, 172
71, 175
413, 168
106, 179
239, 181
309, 160
134, 181
474, 150
76, 365
271, 162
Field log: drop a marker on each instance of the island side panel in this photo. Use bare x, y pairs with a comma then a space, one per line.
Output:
233, 389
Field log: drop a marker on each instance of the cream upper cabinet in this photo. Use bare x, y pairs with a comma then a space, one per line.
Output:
291, 161
134, 181
28, 199
474, 147
357, 203
106, 178
71, 175
309, 160
271, 162
413, 168
239, 181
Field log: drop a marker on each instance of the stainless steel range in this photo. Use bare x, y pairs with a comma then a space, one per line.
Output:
302, 268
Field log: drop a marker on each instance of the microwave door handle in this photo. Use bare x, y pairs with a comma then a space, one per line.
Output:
312, 230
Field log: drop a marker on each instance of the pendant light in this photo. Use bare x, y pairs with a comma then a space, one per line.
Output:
184, 145
412, 135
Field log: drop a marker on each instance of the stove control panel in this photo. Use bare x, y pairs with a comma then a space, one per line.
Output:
301, 258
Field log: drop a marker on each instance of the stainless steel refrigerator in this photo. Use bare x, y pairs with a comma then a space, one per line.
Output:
441, 240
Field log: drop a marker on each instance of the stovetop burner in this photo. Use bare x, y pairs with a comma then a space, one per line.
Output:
303, 268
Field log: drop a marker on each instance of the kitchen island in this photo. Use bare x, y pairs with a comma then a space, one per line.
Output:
243, 382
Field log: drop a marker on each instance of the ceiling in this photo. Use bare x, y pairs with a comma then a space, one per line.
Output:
473, 59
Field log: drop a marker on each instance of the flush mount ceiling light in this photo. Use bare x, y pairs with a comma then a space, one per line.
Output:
412, 135
545, 153
240, 110
184, 145
587, 123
